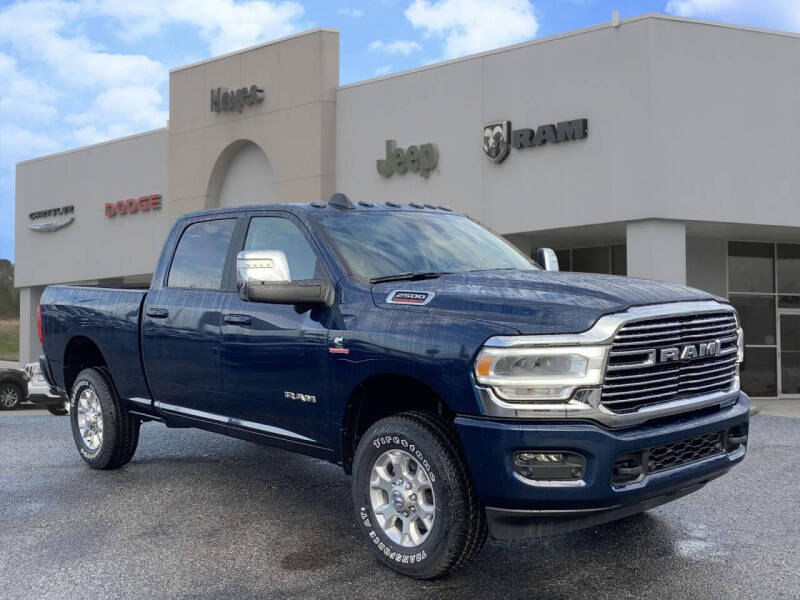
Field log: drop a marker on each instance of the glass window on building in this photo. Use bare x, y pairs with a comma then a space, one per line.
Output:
751, 267
764, 286
596, 259
564, 260
788, 268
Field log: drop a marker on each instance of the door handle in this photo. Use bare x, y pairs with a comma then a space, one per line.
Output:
157, 313
242, 320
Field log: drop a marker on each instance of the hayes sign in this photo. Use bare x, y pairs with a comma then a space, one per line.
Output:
498, 137
224, 100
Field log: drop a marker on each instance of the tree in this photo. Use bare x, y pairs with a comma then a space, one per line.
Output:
9, 297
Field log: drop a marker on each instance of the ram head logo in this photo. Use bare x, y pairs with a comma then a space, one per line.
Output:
496, 138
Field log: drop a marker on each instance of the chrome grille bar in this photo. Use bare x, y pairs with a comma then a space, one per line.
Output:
634, 379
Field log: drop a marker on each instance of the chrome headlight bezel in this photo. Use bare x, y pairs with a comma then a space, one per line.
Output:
585, 367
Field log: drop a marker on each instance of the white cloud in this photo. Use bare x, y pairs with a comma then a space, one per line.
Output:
774, 14
36, 29
404, 47
351, 12
18, 143
117, 112
224, 24
380, 71
25, 97
470, 26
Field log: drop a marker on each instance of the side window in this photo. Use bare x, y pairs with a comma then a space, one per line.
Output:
277, 233
199, 259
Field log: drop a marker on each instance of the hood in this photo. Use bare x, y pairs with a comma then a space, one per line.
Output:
537, 302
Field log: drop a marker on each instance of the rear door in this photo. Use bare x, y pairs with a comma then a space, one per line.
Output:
181, 321
274, 356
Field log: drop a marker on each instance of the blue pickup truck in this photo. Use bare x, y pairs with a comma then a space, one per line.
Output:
468, 389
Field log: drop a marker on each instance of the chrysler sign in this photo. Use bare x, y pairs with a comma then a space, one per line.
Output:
51, 219
499, 138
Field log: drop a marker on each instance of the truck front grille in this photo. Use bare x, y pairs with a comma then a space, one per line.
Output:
643, 369
635, 466
684, 452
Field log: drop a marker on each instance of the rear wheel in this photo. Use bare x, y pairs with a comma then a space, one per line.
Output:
10, 395
104, 432
413, 496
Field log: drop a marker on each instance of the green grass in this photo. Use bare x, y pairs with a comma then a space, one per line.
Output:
9, 340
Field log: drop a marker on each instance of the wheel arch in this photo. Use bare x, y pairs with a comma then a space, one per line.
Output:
80, 353
382, 395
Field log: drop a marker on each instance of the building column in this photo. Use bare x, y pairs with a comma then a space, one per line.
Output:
29, 347
656, 249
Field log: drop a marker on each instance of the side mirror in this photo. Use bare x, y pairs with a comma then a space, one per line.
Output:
547, 259
264, 276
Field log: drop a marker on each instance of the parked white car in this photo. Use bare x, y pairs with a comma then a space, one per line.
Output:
39, 392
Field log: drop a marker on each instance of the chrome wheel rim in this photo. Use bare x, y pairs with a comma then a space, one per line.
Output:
402, 498
90, 419
9, 397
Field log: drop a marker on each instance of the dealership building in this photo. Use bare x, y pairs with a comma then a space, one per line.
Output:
654, 146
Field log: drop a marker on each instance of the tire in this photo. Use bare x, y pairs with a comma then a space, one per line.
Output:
457, 530
11, 395
118, 430
59, 410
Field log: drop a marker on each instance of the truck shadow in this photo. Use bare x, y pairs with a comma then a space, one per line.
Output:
295, 513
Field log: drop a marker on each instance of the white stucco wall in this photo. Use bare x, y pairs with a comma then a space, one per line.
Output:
686, 121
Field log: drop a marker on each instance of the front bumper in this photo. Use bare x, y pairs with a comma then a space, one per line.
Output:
517, 507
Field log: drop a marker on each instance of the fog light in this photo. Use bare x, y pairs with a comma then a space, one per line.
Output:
543, 465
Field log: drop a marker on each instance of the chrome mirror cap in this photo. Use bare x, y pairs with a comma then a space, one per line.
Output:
255, 267
547, 259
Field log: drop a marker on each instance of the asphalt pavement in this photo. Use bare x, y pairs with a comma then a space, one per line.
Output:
197, 515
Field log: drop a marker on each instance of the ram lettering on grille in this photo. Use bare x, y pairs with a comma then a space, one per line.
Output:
659, 360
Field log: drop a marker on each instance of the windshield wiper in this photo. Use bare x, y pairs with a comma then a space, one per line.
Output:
408, 276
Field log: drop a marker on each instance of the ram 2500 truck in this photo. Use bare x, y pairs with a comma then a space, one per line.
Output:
466, 388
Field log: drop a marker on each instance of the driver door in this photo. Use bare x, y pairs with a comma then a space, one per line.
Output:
274, 357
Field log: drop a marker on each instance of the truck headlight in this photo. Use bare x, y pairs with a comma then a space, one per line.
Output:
540, 374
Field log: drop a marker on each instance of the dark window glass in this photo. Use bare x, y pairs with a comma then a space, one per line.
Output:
789, 268
758, 318
790, 372
564, 260
789, 301
790, 333
591, 260
200, 257
758, 372
381, 243
751, 267
619, 259
277, 233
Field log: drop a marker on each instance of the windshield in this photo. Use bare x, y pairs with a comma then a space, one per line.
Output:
383, 244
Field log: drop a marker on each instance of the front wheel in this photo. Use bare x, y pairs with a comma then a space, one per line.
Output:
10, 395
414, 498
104, 432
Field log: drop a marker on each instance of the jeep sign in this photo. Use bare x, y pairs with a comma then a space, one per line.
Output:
417, 159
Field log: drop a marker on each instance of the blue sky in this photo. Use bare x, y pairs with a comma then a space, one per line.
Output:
76, 72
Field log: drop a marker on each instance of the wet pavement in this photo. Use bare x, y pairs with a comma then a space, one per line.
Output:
196, 515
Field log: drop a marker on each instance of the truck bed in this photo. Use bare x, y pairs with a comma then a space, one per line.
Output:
111, 317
